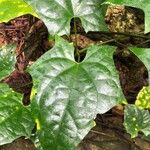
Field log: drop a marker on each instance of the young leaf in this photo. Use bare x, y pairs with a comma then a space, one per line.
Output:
15, 119
57, 14
142, 4
71, 94
136, 120
7, 60
10, 9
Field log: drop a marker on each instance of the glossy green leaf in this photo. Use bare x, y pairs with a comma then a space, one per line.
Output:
136, 120
71, 94
10, 9
142, 4
144, 55
15, 119
57, 14
7, 60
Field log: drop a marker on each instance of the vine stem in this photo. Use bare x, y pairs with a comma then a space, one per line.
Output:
118, 33
76, 45
114, 40
108, 41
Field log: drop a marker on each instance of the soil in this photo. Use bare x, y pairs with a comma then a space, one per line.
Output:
19, 144
126, 27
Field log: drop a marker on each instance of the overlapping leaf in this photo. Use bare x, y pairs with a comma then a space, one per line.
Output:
15, 119
57, 14
144, 55
137, 120
10, 9
71, 94
141, 122
7, 60
142, 4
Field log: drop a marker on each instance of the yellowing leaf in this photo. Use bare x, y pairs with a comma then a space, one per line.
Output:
143, 98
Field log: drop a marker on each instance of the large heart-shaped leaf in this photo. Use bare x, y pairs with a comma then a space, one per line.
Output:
142, 4
15, 119
57, 14
70, 94
137, 120
10, 9
7, 60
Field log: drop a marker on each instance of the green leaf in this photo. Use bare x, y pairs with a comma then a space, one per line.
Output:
57, 14
70, 94
144, 55
15, 119
136, 120
142, 4
142, 98
7, 60
9, 9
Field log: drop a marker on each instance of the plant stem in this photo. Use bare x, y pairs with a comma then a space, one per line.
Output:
105, 42
76, 45
117, 33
